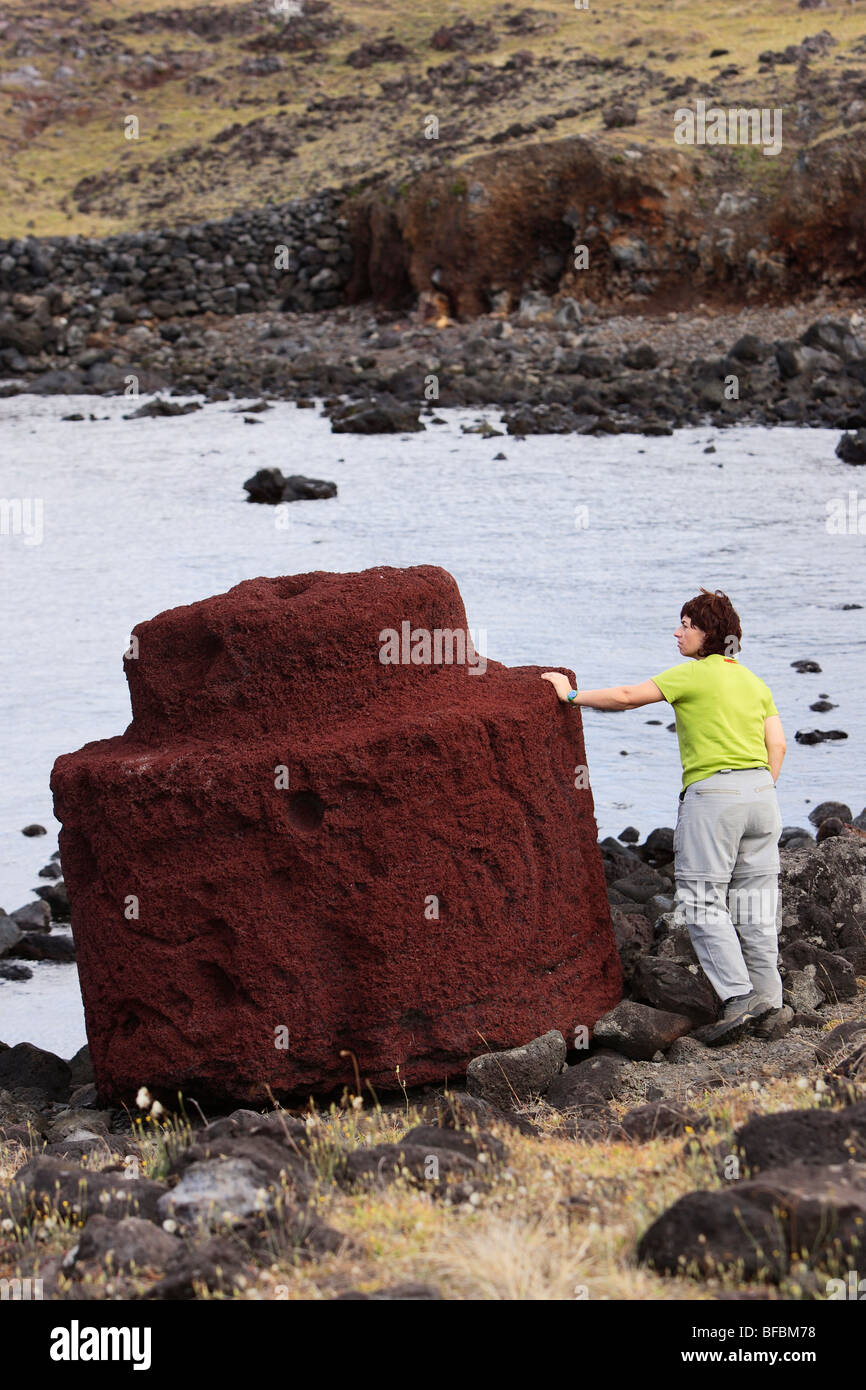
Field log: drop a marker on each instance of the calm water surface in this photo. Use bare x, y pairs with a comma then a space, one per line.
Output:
572, 551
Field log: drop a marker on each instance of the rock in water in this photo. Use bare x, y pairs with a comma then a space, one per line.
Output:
299, 849
852, 447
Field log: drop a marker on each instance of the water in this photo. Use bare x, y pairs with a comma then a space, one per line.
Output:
573, 551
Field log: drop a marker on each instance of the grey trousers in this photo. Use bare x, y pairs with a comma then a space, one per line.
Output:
726, 863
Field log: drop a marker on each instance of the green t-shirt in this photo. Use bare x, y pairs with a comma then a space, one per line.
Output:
720, 708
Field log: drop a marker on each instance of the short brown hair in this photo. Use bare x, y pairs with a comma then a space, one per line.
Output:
715, 615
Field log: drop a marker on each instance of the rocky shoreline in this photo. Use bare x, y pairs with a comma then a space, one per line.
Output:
168, 1204
552, 365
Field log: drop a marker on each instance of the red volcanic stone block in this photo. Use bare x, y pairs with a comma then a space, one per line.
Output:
298, 850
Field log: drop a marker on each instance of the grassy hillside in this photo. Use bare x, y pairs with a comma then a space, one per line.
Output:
243, 103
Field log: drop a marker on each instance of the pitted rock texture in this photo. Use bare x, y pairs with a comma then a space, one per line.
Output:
256, 865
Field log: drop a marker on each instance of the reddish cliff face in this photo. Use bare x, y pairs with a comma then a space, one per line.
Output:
296, 850
663, 222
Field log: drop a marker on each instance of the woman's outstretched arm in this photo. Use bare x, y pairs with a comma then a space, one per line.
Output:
612, 698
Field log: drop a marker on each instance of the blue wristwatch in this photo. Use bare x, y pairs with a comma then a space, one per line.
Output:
572, 695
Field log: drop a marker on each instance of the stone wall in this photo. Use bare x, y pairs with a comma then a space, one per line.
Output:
227, 267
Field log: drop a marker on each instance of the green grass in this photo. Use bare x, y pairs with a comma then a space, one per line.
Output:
83, 136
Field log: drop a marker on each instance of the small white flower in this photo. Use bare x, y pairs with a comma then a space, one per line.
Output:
143, 1100
156, 1110
170, 1226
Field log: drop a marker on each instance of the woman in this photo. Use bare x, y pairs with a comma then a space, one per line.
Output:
726, 842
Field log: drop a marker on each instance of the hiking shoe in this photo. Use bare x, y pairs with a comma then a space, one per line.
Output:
738, 1016
775, 1024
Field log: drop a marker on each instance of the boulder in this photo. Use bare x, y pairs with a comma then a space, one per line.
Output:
826, 809
634, 935
822, 1208
706, 1233
795, 837
640, 358
286, 1129
35, 916
750, 348
324, 833
619, 114
588, 1085
804, 1136
667, 984
847, 1077
852, 447
822, 892
57, 898
801, 991
510, 1079
53, 1185
638, 1031
381, 415
268, 485
20, 1115
161, 408
757, 1228
421, 1165
459, 1141
27, 1067
81, 1068
14, 971
828, 827
127, 1245
451, 1110
70, 1122
218, 1193
10, 935
833, 974
832, 335
661, 1120
674, 945
217, 1264
659, 844
642, 884
831, 1045
274, 1163
44, 946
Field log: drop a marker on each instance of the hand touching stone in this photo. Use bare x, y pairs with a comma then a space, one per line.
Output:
559, 682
